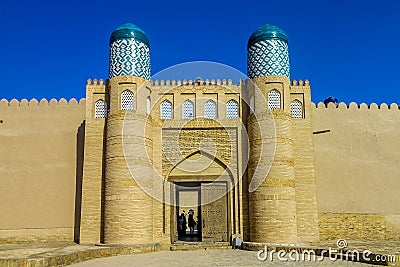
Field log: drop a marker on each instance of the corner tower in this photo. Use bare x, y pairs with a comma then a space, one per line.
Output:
273, 203
128, 210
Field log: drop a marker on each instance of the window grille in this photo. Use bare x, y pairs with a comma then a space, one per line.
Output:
148, 105
127, 100
232, 110
100, 109
251, 104
188, 110
210, 110
274, 99
296, 108
166, 110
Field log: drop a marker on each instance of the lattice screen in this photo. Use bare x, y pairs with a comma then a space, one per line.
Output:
166, 110
100, 109
274, 99
232, 110
188, 110
127, 100
210, 110
296, 108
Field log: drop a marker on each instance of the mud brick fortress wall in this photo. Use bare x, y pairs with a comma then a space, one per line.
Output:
357, 168
40, 162
64, 172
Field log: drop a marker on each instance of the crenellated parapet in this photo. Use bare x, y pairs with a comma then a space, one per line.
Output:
300, 83
179, 86
196, 82
95, 82
96, 85
355, 106
43, 103
300, 86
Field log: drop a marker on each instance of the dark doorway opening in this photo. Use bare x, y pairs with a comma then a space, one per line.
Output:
202, 211
188, 212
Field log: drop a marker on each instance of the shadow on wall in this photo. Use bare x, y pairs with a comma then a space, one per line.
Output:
80, 142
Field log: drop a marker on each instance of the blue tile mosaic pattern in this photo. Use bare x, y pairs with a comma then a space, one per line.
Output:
129, 30
267, 32
268, 53
129, 55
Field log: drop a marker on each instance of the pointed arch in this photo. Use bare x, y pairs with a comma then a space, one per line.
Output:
210, 109
203, 153
296, 108
166, 110
100, 109
232, 109
274, 99
127, 100
188, 110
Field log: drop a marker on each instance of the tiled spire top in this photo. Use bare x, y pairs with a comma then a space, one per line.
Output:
127, 31
267, 31
268, 53
129, 52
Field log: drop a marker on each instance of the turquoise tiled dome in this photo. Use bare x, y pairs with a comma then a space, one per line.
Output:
129, 30
268, 52
267, 31
129, 52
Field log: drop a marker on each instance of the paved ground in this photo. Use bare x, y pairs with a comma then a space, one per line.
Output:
20, 251
203, 258
383, 247
56, 254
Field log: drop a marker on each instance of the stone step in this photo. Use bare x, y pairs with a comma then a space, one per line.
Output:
185, 246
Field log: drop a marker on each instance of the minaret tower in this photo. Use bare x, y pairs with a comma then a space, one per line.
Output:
273, 204
128, 210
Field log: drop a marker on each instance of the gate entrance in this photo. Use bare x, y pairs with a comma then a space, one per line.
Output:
202, 211
214, 211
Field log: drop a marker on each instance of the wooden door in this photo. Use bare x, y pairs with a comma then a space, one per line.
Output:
214, 212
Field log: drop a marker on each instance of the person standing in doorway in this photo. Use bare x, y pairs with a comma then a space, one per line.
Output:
182, 224
191, 221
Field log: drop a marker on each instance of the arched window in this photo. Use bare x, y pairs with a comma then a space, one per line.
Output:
100, 109
274, 99
296, 108
166, 110
210, 110
127, 100
187, 110
252, 104
232, 110
148, 105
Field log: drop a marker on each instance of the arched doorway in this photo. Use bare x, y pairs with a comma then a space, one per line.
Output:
203, 188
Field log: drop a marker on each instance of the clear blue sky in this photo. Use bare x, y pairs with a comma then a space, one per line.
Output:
348, 49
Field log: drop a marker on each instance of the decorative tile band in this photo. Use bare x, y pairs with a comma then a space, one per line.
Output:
268, 57
129, 57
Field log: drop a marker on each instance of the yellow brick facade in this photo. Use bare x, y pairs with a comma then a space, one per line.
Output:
286, 196
256, 160
320, 186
